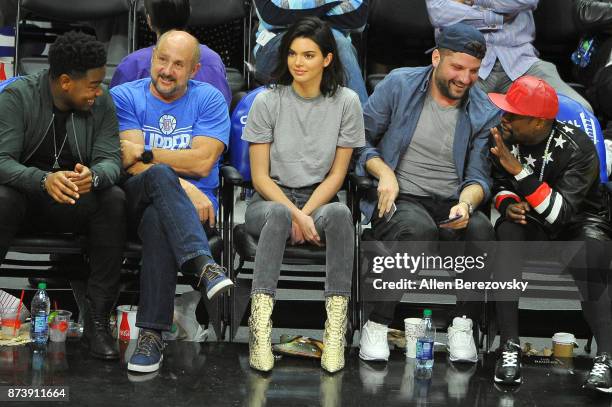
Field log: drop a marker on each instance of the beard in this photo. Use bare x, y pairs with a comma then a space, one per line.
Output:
165, 91
445, 89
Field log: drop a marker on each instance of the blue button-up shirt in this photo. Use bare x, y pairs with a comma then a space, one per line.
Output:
391, 116
510, 42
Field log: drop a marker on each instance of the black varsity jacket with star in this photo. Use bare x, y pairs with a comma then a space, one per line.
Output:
564, 190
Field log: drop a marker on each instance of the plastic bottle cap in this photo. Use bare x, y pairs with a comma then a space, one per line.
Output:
42, 285
427, 313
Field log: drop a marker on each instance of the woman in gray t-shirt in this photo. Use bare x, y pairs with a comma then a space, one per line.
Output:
302, 131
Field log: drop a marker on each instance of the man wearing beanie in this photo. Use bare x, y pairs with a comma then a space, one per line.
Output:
427, 131
547, 187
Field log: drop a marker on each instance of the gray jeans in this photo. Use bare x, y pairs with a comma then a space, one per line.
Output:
271, 222
498, 81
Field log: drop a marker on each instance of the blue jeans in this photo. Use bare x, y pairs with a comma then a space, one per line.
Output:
171, 234
267, 57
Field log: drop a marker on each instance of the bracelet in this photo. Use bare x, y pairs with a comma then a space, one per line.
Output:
43, 180
470, 207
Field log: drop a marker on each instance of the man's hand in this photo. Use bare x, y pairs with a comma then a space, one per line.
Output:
388, 189
508, 18
506, 159
83, 180
203, 205
307, 227
60, 187
516, 212
466, 2
461, 209
130, 152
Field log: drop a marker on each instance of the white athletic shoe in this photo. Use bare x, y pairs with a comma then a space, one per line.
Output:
373, 343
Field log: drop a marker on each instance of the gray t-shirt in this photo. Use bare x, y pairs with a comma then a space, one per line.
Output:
427, 168
304, 133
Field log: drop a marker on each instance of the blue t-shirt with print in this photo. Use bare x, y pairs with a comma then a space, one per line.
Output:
200, 112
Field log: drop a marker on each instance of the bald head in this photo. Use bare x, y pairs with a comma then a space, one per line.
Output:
181, 41
175, 60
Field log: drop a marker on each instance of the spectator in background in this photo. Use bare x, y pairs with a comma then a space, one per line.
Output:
163, 16
595, 17
509, 30
343, 16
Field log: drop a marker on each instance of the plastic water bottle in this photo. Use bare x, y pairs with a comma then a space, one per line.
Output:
39, 328
425, 343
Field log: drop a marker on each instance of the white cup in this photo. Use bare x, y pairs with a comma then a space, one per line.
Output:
413, 329
126, 322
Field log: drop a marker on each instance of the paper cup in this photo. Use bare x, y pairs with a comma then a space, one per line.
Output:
58, 327
413, 329
563, 344
126, 321
10, 323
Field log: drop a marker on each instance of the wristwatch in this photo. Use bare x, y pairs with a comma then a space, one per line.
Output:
147, 155
470, 207
525, 172
95, 179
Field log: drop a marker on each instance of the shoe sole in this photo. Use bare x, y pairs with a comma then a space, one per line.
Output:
145, 368
219, 289
370, 359
462, 360
607, 390
502, 381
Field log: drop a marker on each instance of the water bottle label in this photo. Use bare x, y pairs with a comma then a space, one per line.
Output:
40, 324
424, 350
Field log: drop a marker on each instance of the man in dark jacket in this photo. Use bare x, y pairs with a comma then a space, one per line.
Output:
547, 188
59, 162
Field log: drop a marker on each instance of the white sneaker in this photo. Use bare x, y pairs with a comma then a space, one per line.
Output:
461, 346
373, 343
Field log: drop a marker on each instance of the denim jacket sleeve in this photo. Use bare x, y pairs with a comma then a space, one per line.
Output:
377, 116
478, 168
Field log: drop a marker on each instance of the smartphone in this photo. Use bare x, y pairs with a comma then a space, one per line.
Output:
389, 215
449, 220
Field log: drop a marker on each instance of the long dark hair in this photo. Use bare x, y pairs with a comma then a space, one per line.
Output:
321, 34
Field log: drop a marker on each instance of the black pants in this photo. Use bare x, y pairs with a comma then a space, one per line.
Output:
416, 220
101, 215
589, 268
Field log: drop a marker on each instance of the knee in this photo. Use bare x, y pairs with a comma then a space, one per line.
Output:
12, 202
338, 213
160, 173
278, 215
410, 229
113, 202
480, 228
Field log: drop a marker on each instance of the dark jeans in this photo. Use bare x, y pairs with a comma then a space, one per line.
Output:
100, 215
416, 220
171, 235
590, 271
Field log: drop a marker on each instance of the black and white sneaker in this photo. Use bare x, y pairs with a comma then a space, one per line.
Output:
508, 366
600, 377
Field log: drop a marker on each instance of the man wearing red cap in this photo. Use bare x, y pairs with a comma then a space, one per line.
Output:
547, 187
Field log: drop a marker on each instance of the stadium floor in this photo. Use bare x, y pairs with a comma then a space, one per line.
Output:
217, 374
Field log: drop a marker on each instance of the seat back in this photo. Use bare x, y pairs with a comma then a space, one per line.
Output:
65, 15
404, 23
557, 33
238, 148
573, 112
